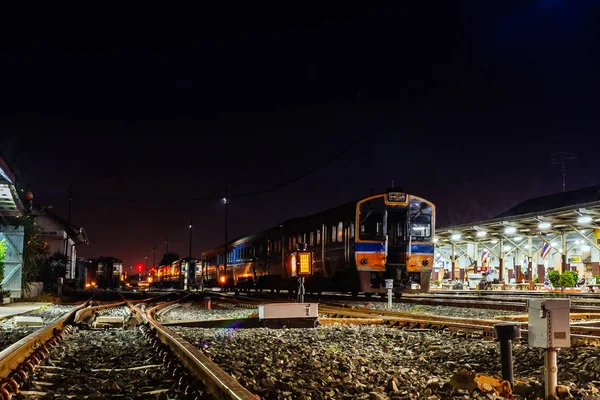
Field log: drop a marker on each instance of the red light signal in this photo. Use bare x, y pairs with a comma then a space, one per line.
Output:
139, 267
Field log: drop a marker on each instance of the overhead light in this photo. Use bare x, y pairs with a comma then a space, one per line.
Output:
510, 229
578, 241
456, 236
526, 246
560, 250
585, 248
518, 238
494, 241
435, 240
481, 233
554, 244
586, 219
583, 231
507, 248
544, 225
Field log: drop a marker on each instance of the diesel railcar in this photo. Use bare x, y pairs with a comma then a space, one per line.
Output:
179, 274
355, 248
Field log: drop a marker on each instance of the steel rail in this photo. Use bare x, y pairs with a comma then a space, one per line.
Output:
579, 335
30, 348
218, 382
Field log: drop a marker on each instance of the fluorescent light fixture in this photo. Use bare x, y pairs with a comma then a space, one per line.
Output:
456, 236
544, 225
494, 241
585, 247
586, 219
510, 229
481, 233
435, 240
518, 238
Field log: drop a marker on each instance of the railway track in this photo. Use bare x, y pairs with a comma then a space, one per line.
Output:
120, 351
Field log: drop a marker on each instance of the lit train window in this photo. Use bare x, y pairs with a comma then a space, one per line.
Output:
371, 219
340, 232
312, 238
351, 229
318, 236
333, 234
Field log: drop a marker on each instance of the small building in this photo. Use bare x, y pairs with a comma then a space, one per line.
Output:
63, 237
11, 233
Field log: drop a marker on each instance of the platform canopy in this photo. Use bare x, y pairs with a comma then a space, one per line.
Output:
10, 204
567, 223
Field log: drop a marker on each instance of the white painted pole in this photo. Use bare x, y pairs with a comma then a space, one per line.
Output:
551, 371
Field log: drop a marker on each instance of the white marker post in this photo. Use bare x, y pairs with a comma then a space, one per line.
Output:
549, 328
389, 285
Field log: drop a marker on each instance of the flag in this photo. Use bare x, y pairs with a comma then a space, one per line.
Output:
484, 254
545, 249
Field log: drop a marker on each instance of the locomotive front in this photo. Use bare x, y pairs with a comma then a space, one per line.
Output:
394, 240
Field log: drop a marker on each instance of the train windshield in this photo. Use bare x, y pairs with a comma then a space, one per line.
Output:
371, 219
421, 227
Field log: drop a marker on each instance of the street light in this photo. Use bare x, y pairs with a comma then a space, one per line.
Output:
226, 202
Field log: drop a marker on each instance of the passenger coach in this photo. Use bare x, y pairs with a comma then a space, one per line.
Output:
355, 247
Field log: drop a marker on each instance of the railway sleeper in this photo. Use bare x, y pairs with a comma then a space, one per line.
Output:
20, 374
192, 387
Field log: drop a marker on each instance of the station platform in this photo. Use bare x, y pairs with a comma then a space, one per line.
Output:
9, 310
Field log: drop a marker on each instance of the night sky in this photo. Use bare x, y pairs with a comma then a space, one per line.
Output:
150, 113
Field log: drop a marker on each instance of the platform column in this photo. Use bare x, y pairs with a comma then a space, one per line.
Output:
501, 263
453, 274
517, 265
530, 262
564, 266
595, 253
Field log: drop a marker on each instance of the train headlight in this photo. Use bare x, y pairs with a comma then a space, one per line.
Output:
425, 263
363, 261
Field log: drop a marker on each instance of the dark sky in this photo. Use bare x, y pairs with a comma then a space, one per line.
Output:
142, 109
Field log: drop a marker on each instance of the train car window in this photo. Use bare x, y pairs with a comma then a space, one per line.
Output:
421, 226
371, 215
318, 236
312, 238
340, 237
351, 229
333, 234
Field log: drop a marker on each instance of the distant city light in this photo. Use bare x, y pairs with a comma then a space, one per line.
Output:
224, 200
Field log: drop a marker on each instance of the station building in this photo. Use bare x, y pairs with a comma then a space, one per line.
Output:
521, 245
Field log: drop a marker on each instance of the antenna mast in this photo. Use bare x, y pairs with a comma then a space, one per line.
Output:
560, 157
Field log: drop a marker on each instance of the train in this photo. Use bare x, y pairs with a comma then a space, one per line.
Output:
362, 246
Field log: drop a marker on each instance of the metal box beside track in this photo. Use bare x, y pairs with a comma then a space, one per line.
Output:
290, 315
549, 323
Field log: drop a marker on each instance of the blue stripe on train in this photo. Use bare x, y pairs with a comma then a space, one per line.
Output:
415, 248
421, 248
365, 246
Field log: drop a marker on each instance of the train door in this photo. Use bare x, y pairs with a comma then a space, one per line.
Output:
396, 235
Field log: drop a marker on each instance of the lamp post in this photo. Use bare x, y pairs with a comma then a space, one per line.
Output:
146, 266
226, 202
190, 253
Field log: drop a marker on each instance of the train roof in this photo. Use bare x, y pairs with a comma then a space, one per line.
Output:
247, 238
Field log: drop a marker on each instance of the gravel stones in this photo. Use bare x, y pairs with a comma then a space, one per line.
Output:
375, 362
193, 312
98, 365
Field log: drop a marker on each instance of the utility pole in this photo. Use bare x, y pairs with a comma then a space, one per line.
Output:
226, 202
560, 157
68, 229
190, 253
146, 266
